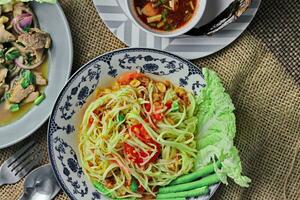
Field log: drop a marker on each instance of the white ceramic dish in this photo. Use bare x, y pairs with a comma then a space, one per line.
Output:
60, 64
116, 17
64, 122
198, 14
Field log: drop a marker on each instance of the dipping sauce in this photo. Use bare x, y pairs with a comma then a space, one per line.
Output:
165, 15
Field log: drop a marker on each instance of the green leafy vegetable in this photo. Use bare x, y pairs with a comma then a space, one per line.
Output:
7, 95
25, 83
11, 55
217, 130
133, 185
164, 14
28, 78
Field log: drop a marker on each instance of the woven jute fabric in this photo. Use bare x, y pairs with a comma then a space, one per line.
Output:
261, 73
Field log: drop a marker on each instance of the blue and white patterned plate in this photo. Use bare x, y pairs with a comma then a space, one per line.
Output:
62, 130
114, 15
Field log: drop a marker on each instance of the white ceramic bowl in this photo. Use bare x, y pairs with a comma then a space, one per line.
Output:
198, 14
63, 124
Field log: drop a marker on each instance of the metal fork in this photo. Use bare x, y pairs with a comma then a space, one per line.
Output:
19, 164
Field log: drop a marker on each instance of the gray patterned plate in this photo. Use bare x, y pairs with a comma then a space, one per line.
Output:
114, 15
62, 130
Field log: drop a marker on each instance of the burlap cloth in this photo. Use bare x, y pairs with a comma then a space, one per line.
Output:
260, 71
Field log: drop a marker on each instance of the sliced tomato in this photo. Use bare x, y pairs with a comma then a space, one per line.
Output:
132, 154
96, 112
156, 155
140, 132
91, 120
125, 78
143, 154
141, 189
147, 107
137, 156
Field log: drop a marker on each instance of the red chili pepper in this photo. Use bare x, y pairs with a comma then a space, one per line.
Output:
168, 104
132, 154
140, 132
158, 117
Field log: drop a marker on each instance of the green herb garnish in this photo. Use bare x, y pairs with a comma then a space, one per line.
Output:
7, 95
1, 53
120, 118
167, 27
29, 59
12, 55
175, 106
133, 185
14, 107
25, 83
26, 29
164, 14
39, 100
28, 78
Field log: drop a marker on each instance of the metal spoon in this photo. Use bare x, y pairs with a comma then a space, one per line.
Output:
40, 184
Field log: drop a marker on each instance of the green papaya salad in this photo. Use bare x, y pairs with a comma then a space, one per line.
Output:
143, 138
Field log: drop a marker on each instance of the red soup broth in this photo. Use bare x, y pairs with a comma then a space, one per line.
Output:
165, 15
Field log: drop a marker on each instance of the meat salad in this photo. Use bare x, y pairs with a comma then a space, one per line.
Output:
23, 50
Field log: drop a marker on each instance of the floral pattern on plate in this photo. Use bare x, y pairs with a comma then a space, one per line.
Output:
62, 137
